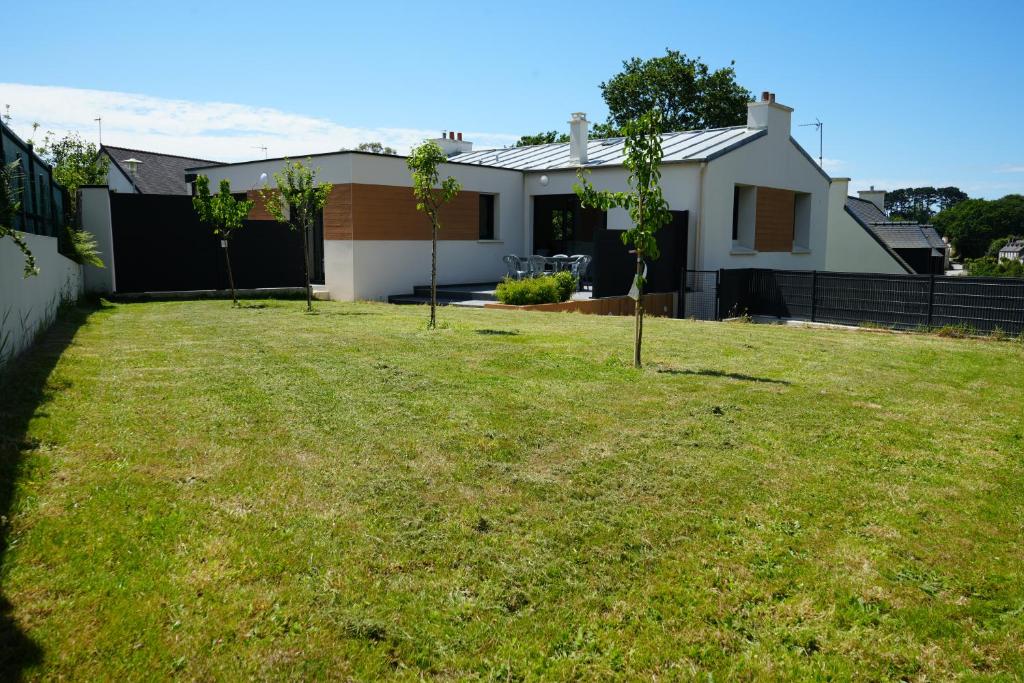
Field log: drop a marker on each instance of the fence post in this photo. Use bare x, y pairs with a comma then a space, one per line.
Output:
718, 294
931, 298
682, 294
814, 293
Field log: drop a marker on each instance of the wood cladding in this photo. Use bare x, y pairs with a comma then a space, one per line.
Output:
258, 212
338, 213
388, 212
774, 219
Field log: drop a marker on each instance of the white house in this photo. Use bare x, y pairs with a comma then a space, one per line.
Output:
752, 197
1012, 251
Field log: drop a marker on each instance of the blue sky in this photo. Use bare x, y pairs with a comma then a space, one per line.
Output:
910, 92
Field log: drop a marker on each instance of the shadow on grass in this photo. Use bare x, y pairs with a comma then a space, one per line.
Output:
24, 392
719, 373
498, 333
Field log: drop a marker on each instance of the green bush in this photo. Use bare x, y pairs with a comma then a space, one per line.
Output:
541, 290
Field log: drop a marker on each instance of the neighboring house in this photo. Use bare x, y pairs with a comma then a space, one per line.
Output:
918, 246
134, 170
746, 196
1012, 251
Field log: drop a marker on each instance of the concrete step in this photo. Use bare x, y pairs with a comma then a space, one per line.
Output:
321, 293
483, 292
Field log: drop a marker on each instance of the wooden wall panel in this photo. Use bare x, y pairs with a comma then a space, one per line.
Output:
773, 221
388, 212
258, 212
338, 213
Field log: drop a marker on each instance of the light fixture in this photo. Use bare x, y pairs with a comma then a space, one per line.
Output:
544, 180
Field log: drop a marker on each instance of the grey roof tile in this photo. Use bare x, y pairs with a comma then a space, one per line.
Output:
158, 173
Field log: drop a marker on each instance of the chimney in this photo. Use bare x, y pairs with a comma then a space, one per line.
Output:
578, 126
769, 115
452, 144
876, 197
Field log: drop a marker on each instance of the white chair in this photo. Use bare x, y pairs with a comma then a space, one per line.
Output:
517, 270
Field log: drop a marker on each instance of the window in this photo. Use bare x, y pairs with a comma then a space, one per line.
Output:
735, 213
487, 217
744, 199
802, 222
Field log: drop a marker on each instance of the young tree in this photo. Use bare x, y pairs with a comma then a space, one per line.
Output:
224, 214
431, 194
645, 203
9, 207
297, 201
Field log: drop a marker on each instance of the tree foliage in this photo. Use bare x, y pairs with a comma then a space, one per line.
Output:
224, 214
686, 91
10, 205
297, 202
375, 148
973, 224
431, 194
545, 138
644, 201
919, 204
75, 162
988, 266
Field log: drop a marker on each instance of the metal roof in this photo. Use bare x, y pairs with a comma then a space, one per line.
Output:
691, 145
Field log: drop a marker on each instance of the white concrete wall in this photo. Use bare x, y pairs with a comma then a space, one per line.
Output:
29, 305
850, 248
95, 209
119, 182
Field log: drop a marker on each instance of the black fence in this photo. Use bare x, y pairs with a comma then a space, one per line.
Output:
43, 202
898, 301
160, 246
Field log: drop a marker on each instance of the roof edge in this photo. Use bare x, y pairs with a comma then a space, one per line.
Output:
896, 257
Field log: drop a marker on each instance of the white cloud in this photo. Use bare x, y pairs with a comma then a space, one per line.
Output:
205, 130
1010, 168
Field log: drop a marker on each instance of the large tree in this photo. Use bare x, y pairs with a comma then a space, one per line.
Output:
644, 201
688, 93
75, 163
973, 224
544, 138
921, 203
224, 215
297, 202
375, 148
431, 194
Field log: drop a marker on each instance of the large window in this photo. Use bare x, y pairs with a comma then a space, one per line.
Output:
487, 206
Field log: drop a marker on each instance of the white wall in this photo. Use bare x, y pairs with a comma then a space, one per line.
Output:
95, 209
850, 248
119, 182
29, 305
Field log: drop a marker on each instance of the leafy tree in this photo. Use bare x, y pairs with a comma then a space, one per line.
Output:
990, 267
919, 204
375, 148
645, 203
542, 138
10, 205
297, 201
973, 224
224, 214
75, 163
686, 91
431, 194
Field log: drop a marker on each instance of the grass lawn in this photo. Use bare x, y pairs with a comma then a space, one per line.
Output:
195, 491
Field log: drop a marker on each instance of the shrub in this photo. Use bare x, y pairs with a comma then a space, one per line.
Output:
83, 248
566, 285
956, 331
541, 290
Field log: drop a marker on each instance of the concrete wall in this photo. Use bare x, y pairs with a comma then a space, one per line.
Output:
29, 305
118, 181
851, 249
95, 209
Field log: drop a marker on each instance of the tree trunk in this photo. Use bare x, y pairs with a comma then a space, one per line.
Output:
231, 278
305, 268
638, 331
433, 276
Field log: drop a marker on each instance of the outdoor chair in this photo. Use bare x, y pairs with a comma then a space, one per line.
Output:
579, 268
517, 270
535, 265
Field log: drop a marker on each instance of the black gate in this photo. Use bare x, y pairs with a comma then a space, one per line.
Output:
614, 267
160, 246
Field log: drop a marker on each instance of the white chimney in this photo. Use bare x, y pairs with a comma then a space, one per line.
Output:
578, 127
769, 115
451, 143
876, 197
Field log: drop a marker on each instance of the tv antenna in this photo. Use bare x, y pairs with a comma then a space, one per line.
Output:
263, 147
819, 125
99, 122
7, 114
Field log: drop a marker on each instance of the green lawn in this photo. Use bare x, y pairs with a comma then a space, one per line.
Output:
209, 493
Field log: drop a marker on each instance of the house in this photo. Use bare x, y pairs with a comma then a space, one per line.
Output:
741, 197
138, 171
1012, 251
919, 247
